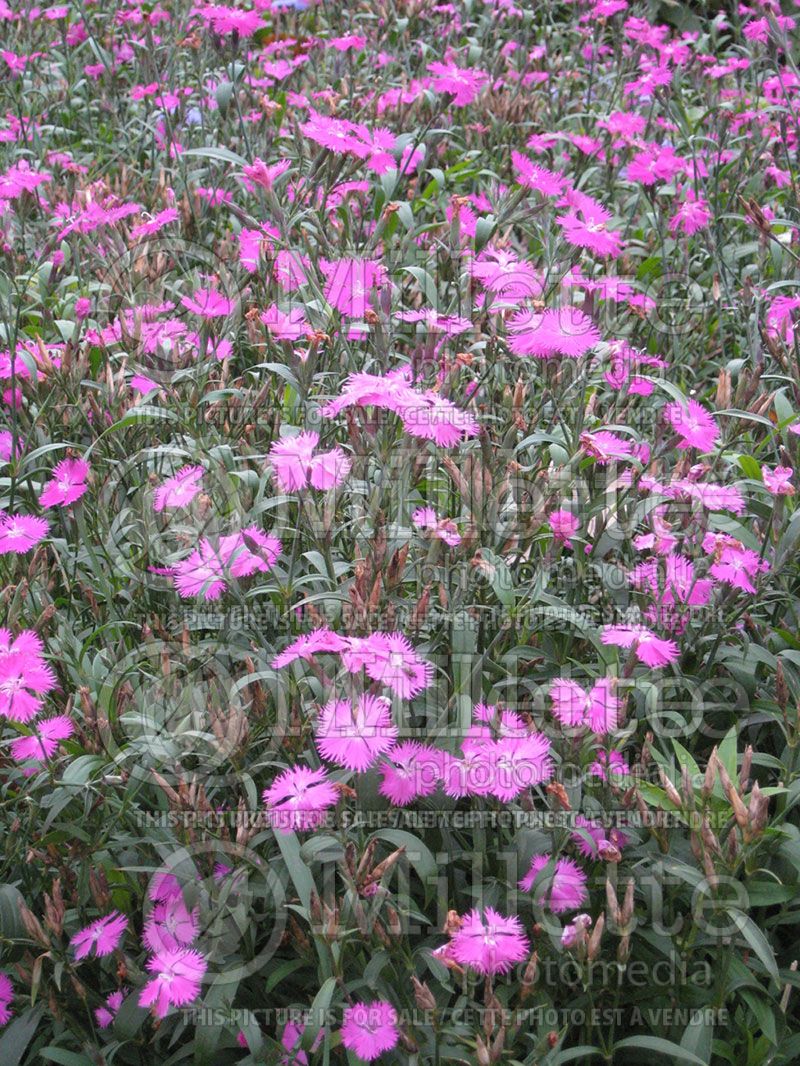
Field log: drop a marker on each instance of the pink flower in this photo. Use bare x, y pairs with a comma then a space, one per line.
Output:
67, 484
171, 925
610, 767
598, 709
441, 528
351, 283
566, 331
779, 480
105, 1015
598, 837
298, 799
24, 676
409, 771
103, 935
370, 1029
227, 20
490, 943
518, 763
586, 226
44, 742
564, 524
295, 466
464, 84
694, 425
310, 644
20, 533
355, 735
288, 325
6, 998
535, 177
208, 303
650, 649
180, 489
563, 890
605, 446
205, 572
737, 565
692, 215
178, 976
391, 659
153, 225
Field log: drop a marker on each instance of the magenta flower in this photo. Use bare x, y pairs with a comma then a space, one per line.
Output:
106, 1015
178, 976
489, 943
410, 770
19, 533
6, 998
391, 659
295, 466
102, 935
650, 649
564, 525
565, 331
298, 799
24, 676
440, 528
44, 742
208, 303
351, 283
694, 425
67, 484
370, 1029
355, 735
180, 489
565, 890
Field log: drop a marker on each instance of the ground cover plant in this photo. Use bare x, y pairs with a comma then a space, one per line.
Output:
399, 652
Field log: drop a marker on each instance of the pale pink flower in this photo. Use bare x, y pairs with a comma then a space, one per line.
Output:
354, 735
205, 572
171, 925
180, 489
597, 709
490, 943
